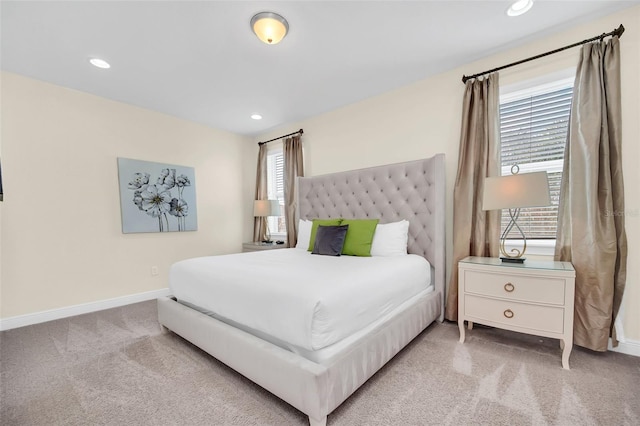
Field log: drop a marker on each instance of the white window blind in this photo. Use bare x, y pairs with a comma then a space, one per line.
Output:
533, 132
275, 190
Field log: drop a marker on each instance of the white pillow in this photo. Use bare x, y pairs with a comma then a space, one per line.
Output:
390, 239
304, 234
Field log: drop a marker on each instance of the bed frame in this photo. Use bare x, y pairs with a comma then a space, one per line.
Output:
412, 190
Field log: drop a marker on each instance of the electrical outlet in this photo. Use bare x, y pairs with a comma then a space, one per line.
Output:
154, 270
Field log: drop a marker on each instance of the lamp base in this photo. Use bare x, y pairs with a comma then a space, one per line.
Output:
513, 259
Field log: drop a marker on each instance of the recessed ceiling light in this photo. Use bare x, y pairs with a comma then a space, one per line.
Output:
520, 7
100, 63
256, 116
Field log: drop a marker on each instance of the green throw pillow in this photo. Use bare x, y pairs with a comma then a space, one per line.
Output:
314, 228
359, 236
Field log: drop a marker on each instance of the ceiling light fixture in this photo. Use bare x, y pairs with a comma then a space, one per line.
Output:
269, 27
520, 7
256, 116
100, 63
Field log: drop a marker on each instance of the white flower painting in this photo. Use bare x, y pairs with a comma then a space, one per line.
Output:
156, 197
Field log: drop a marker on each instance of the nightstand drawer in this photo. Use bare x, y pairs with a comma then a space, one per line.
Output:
514, 314
516, 287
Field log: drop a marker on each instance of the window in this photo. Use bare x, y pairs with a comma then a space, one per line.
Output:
275, 191
534, 124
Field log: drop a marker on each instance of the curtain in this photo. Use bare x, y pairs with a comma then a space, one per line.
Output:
475, 232
293, 167
260, 223
591, 231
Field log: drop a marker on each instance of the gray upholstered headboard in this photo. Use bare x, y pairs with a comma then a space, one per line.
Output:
414, 190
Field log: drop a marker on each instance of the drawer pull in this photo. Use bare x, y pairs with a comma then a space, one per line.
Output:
508, 287
508, 313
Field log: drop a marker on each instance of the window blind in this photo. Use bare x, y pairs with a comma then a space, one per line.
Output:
275, 185
533, 134
279, 166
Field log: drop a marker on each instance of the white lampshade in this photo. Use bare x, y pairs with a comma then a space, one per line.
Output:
275, 208
514, 191
269, 27
263, 208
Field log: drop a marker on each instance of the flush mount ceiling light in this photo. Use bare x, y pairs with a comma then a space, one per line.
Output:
256, 116
100, 63
269, 27
520, 7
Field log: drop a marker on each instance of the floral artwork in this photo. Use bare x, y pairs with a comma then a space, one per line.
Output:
156, 197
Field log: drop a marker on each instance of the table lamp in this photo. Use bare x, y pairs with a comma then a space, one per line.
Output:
265, 208
514, 192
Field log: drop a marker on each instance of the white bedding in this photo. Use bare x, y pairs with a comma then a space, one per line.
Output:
305, 300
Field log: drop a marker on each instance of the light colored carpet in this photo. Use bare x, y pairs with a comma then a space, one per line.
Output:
117, 367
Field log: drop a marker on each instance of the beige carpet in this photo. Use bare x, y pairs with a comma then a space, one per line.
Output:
117, 367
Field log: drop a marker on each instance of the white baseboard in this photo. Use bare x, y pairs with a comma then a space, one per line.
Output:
85, 308
629, 347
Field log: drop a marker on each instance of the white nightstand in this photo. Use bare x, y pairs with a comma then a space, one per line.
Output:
535, 297
246, 247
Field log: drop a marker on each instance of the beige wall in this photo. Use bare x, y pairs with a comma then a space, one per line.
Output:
62, 243
422, 119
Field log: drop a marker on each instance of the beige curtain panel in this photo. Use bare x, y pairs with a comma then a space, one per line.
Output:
293, 167
475, 232
591, 231
260, 223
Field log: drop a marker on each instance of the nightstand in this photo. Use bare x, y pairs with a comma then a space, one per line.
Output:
247, 247
535, 297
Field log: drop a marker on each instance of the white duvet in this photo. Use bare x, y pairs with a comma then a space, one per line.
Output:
309, 301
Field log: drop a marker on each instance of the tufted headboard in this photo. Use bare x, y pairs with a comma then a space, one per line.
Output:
414, 190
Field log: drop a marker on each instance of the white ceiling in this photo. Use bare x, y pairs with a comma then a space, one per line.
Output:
200, 61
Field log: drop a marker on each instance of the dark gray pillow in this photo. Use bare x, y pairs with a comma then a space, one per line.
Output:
330, 240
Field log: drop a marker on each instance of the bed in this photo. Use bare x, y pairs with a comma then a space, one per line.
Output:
313, 381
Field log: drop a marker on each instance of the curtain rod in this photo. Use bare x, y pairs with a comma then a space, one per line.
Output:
280, 137
617, 32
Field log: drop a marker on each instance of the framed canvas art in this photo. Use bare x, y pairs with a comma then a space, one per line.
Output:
156, 197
